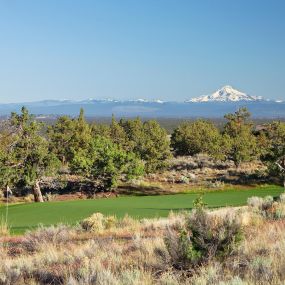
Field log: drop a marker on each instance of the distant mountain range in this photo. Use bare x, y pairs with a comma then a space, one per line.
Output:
224, 100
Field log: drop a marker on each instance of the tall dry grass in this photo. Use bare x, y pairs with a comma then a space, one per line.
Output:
4, 228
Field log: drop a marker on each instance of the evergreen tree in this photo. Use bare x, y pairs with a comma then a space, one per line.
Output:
106, 162
67, 136
241, 138
60, 135
155, 147
200, 136
273, 138
134, 133
149, 141
117, 133
29, 156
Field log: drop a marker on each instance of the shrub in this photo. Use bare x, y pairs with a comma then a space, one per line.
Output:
261, 269
56, 235
94, 223
128, 222
98, 223
267, 207
205, 237
255, 202
199, 203
279, 211
110, 222
181, 250
282, 198
213, 235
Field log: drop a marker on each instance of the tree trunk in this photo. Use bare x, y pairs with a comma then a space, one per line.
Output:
38, 197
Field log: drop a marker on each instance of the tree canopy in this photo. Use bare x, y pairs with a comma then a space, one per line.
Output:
243, 143
200, 136
27, 159
106, 162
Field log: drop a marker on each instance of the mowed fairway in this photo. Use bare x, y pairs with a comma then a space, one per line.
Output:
28, 216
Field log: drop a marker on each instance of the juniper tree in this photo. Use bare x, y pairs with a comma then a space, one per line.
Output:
106, 162
200, 136
274, 147
28, 158
149, 141
243, 143
67, 136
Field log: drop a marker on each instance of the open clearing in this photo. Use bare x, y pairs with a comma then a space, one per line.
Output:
28, 216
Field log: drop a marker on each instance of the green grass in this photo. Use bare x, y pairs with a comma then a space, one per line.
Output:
28, 216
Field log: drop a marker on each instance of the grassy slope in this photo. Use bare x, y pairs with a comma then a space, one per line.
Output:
28, 216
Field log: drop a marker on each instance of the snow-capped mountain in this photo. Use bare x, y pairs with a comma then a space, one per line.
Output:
226, 94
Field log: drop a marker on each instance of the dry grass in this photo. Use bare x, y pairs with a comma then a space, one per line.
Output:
4, 228
127, 251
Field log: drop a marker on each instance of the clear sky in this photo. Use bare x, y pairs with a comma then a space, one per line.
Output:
166, 49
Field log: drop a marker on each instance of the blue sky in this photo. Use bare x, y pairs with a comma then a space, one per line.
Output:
166, 49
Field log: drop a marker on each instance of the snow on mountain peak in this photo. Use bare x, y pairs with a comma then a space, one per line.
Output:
226, 94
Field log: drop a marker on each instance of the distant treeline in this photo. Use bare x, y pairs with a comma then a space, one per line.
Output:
169, 124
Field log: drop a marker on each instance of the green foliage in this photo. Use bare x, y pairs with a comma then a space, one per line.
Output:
271, 143
100, 130
117, 133
27, 158
81, 134
242, 142
60, 135
105, 161
181, 250
134, 132
155, 147
199, 203
146, 139
214, 235
98, 152
8, 173
236, 121
275, 135
206, 237
67, 136
198, 137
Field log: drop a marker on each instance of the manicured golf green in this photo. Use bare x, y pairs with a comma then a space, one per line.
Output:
28, 216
